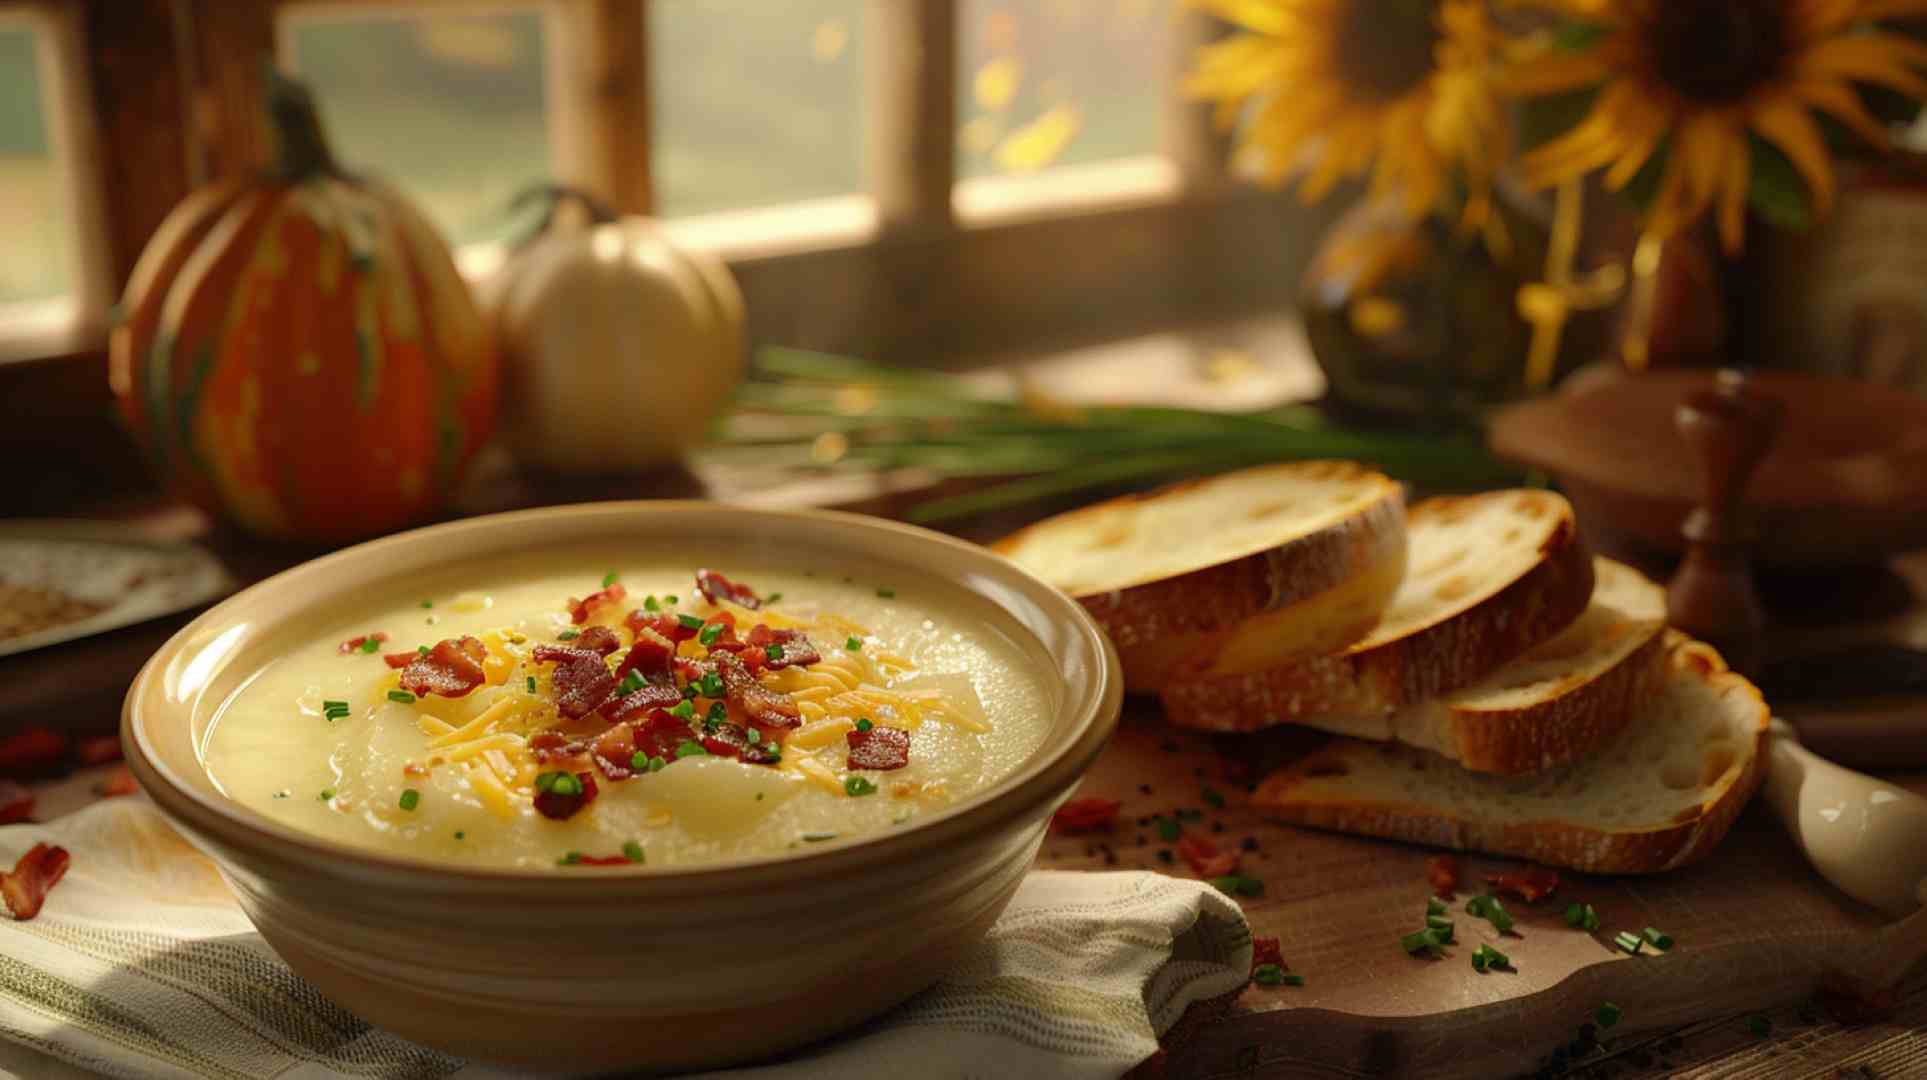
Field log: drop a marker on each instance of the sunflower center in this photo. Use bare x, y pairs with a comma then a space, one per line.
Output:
1383, 57
1718, 51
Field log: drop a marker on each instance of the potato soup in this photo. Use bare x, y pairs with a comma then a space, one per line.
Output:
624, 712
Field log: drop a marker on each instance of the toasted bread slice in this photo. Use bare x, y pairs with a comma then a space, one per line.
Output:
1277, 561
1559, 701
1660, 795
1487, 577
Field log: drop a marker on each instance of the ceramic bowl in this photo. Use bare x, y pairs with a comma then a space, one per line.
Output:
667, 968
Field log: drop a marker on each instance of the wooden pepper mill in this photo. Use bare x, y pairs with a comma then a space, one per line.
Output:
1729, 429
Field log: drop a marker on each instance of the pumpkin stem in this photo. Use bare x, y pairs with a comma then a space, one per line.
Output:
552, 197
294, 127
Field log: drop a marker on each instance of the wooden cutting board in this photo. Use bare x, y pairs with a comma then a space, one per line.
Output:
1754, 928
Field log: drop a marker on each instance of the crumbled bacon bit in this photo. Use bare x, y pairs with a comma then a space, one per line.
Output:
451, 669
765, 707
97, 749
1528, 884
719, 588
1083, 815
796, 647
582, 680
879, 748
662, 622
1264, 950
16, 803
660, 733
26, 886
556, 751
400, 660
354, 644
551, 804
32, 750
1206, 860
602, 860
580, 610
613, 749
414, 769
1443, 872
652, 654
732, 740
599, 640
117, 783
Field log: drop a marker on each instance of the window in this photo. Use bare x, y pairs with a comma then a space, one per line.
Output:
37, 261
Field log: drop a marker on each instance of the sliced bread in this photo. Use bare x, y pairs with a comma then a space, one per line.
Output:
1313, 550
1660, 795
1487, 578
1557, 702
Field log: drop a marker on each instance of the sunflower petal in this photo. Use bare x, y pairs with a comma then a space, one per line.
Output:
1874, 58
1841, 103
1791, 128
1263, 16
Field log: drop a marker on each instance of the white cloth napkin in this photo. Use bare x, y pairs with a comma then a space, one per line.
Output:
140, 965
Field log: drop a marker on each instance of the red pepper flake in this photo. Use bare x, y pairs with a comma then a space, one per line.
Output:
1443, 872
1206, 860
31, 751
26, 887
1084, 815
16, 803
561, 804
451, 669
117, 783
599, 640
97, 749
719, 588
765, 707
1264, 950
580, 610
360, 643
879, 748
1529, 884
795, 649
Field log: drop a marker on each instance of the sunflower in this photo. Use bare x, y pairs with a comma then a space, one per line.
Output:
1695, 83
1337, 88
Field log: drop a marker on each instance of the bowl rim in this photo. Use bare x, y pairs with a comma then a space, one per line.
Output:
1094, 710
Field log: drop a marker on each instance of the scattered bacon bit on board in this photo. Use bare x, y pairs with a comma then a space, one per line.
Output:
1443, 872
26, 886
551, 804
117, 783
1529, 884
797, 651
766, 708
1083, 815
1264, 950
719, 588
16, 803
97, 749
32, 750
580, 610
451, 669
355, 644
599, 640
1206, 860
879, 748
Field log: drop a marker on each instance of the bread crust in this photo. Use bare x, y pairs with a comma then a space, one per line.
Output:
1446, 655
1562, 728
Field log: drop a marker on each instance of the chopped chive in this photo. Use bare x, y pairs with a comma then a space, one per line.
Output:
639, 761
856, 786
689, 748
428, 603
657, 764
410, 798
1489, 909
759, 796
1657, 939
1422, 940
688, 690
1434, 906
689, 622
1582, 916
531, 682
460, 835
1213, 798
710, 685
632, 851
1268, 975
854, 644
568, 635
649, 603
421, 650
1439, 922
1631, 943
1485, 956
864, 724
711, 634
1608, 1014
569, 859
608, 579
369, 644
1168, 829
754, 736
684, 710
670, 599
773, 597
773, 651
1294, 980
718, 712
631, 683
327, 793
402, 696
1759, 1025
887, 594
817, 837
1238, 885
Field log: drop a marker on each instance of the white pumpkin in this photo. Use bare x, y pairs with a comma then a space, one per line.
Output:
618, 347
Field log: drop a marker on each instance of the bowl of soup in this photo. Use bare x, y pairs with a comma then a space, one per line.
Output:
655, 785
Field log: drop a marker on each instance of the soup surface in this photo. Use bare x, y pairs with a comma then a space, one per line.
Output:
629, 711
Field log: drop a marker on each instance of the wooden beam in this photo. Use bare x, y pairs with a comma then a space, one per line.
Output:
599, 99
912, 47
1190, 138
229, 42
140, 102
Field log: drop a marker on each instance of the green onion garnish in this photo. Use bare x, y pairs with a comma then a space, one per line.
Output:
854, 644
754, 736
718, 712
657, 764
773, 597
531, 684
710, 685
369, 644
1168, 829
689, 748
856, 786
632, 851
639, 761
410, 798
1485, 956
864, 724
1213, 797
1294, 980
428, 603
683, 710
670, 599
649, 604
887, 594
631, 682
1489, 909
1422, 940
559, 783
1439, 922
1238, 885
1608, 1014
1657, 939
817, 837
460, 835
402, 696
1434, 906
773, 651
421, 650
688, 690
568, 635
1268, 975
608, 579
1630, 942
712, 633
327, 793
689, 622
570, 859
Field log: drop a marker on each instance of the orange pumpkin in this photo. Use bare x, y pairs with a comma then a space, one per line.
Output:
298, 352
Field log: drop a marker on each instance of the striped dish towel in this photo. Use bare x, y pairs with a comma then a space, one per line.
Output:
140, 965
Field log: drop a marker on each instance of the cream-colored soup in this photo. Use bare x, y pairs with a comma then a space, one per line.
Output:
326, 741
